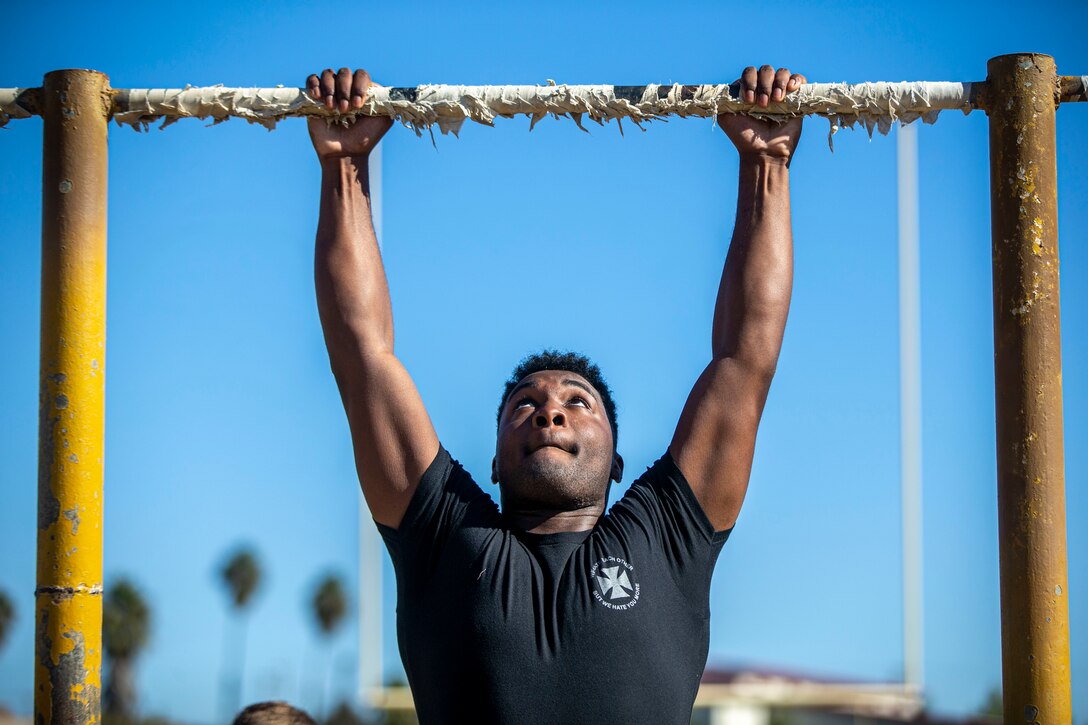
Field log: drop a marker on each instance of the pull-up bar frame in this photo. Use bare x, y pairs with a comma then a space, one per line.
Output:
1020, 96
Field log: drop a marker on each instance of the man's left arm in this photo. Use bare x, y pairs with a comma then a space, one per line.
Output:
715, 438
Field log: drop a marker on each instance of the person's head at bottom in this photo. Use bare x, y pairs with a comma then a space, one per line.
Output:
273, 713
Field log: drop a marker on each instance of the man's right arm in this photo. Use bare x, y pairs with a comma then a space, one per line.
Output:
392, 435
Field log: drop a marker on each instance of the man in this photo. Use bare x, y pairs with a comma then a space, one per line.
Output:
553, 611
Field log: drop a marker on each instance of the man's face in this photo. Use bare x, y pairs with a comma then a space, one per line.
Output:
555, 449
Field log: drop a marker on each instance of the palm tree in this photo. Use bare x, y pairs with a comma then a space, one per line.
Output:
330, 606
126, 628
241, 576
7, 616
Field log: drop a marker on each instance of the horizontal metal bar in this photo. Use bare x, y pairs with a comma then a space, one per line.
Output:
1073, 89
877, 104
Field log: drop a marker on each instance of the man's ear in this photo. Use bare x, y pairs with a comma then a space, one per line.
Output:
495, 470
617, 467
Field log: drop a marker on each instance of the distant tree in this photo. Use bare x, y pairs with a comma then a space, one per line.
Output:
330, 606
126, 629
241, 576
343, 714
780, 717
7, 616
992, 706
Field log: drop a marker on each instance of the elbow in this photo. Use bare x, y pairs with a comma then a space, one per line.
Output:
761, 373
755, 353
746, 373
754, 339
762, 364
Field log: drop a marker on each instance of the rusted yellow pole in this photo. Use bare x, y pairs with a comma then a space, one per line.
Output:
1022, 97
68, 649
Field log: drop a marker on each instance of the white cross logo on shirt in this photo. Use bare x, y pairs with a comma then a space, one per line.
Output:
614, 584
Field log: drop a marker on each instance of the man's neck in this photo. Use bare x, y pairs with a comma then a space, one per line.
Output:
555, 522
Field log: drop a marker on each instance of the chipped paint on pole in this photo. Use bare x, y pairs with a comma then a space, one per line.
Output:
68, 647
1022, 98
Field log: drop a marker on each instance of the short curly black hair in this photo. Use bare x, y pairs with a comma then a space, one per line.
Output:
571, 362
273, 713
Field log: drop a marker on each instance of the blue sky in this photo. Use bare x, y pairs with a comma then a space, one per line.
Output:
223, 423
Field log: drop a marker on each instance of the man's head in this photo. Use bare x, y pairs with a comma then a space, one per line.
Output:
272, 713
556, 447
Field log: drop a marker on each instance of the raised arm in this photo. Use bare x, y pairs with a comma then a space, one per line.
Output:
392, 434
716, 435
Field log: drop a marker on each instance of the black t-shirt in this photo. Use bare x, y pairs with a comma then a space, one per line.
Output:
497, 625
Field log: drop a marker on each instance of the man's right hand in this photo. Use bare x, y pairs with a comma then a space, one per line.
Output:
344, 91
775, 140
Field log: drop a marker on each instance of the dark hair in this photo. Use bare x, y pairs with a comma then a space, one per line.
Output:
273, 713
571, 362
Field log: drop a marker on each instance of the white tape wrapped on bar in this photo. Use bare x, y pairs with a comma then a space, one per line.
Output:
9, 105
874, 105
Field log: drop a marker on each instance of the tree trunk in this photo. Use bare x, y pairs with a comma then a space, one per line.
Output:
119, 698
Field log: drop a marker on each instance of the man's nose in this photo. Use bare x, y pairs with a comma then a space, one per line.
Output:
550, 415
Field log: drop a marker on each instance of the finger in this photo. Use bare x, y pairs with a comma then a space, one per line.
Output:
796, 81
781, 81
343, 89
313, 87
748, 84
359, 86
328, 87
764, 84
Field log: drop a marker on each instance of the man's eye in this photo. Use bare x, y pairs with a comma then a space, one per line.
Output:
523, 402
579, 400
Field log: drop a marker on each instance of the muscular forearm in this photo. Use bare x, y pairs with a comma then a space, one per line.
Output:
352, 293
754, 296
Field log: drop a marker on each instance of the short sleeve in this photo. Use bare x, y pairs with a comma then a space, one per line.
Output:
661, 507
446, 496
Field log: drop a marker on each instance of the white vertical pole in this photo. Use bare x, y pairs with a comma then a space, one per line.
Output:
370, 544
910, 405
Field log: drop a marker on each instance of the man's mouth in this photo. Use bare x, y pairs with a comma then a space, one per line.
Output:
552, 444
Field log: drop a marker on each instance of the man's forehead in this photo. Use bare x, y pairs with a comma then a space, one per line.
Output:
543, 378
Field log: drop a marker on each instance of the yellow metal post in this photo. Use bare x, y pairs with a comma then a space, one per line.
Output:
1022, 97
71, 418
